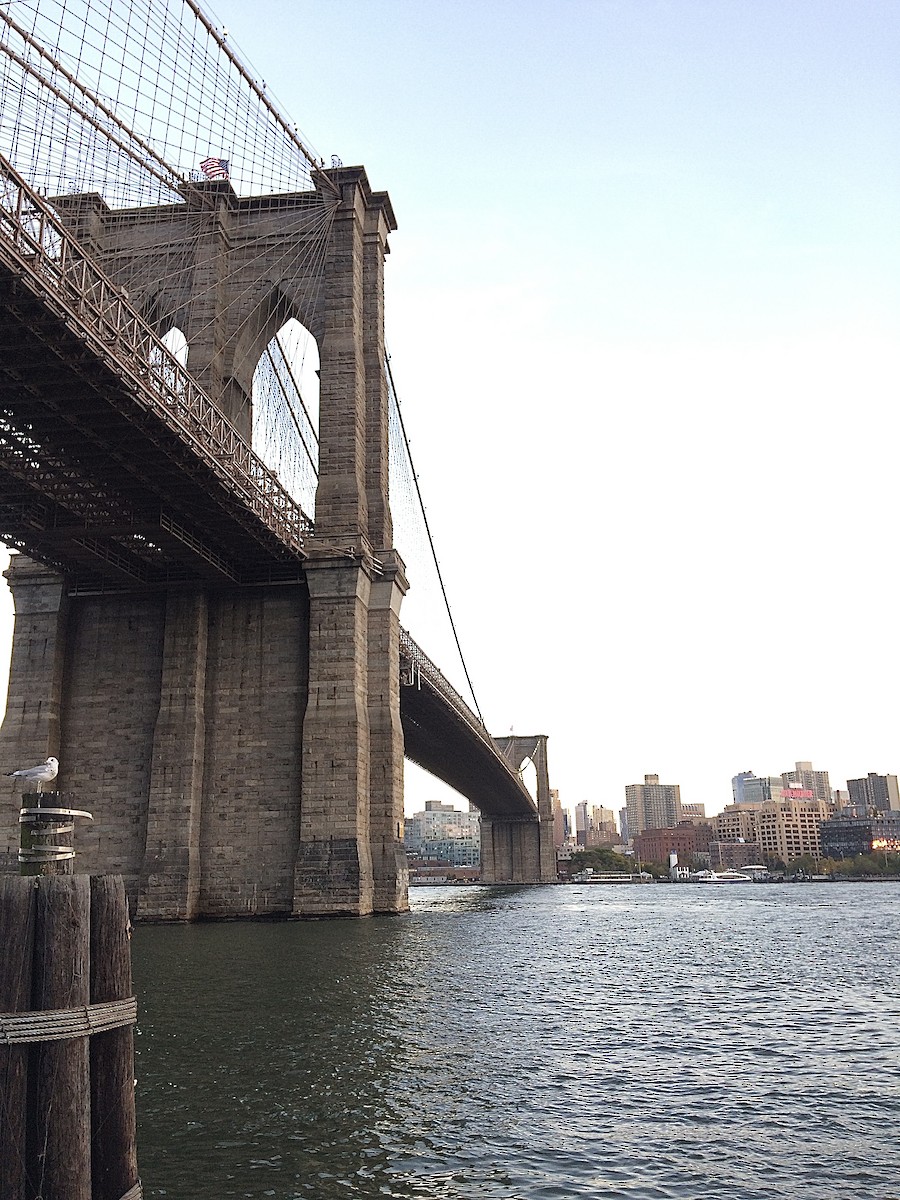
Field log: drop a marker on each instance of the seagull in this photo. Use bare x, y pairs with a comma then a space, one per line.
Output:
40, 775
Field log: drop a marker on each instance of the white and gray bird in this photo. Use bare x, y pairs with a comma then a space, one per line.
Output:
40, 774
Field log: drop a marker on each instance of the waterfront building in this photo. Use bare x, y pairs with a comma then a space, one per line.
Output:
623, 826
804, 777
875, 791
789, 828
736, 823
444, 834
652, 805
733, 856
846, 836
690, 842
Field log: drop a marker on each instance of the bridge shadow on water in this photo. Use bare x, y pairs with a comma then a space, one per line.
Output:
322, 1059
266, 1056
284, 1059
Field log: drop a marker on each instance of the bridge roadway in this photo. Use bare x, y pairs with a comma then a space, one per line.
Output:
119, 472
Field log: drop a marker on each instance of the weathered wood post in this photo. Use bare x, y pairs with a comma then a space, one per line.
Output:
114, 1169
67, 1118
46, 834
17, 940
58, 1147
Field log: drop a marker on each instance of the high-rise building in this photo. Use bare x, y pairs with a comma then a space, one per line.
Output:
595, 825
736, 823
737, 785
581, 823
652, 805
875, 791
603, 831
443, 833
562, 830
789, 828
623, 826
803, 776
747, 788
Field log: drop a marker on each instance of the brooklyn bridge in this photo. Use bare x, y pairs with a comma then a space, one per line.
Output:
198, 455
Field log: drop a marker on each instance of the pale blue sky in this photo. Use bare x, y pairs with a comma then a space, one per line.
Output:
643, 306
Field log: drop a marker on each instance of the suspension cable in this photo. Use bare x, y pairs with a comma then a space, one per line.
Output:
437, 565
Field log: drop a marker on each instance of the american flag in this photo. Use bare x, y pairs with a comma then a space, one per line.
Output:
215, 168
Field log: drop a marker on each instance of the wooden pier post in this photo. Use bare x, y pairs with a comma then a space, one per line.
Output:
59, 1142
67, 1120
17, 940
113, 1124
47, 834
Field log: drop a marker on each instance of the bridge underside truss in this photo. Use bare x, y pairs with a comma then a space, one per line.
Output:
114, 466
79, 488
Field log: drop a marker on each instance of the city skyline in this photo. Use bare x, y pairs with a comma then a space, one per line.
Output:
881, 787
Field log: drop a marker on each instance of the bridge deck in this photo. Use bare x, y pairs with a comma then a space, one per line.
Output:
443, 736
114, 466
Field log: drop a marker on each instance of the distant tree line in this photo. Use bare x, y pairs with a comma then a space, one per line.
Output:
861, 866
602, 858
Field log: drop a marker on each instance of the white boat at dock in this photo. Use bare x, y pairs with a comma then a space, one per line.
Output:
723, 877
589, 875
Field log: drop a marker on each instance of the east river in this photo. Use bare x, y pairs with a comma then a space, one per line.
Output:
626, 1043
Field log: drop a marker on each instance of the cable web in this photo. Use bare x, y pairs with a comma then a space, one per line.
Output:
145, 104
286, 412
128, 98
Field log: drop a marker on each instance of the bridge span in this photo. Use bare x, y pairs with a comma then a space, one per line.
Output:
226, 685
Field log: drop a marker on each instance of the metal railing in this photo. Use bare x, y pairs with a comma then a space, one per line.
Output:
37, 244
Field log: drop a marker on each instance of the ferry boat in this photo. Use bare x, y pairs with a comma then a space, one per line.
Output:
589, 875
723, 877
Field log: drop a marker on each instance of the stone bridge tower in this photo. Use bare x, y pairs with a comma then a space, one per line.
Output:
240, 747
520, 850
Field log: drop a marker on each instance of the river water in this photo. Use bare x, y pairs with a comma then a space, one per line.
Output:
627, 1043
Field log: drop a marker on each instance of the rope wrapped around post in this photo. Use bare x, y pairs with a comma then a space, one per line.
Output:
67, 1016
51, 1025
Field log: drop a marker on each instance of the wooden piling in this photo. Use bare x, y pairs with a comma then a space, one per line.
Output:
59, 1144
47, 837
113, 1125
17, 909
67, 1119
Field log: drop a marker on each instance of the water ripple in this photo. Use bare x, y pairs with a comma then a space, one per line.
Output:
530, 1044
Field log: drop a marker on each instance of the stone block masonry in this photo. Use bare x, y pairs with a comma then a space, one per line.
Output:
178, 722
240, 747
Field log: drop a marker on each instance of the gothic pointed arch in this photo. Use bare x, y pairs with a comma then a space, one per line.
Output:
285, 410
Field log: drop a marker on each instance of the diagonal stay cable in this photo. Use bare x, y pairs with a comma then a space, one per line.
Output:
387, 367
